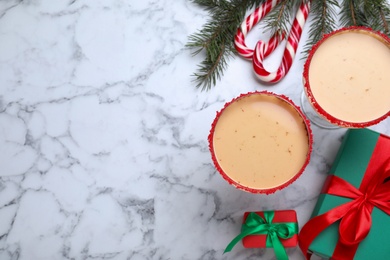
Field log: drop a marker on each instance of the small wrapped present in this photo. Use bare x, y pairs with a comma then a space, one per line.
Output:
351, 218
276, 229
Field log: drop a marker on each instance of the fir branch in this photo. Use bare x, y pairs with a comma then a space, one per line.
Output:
279, 20
370, 13
324, 21
385, 17
378, 15
216, 37
207, 4
351, 15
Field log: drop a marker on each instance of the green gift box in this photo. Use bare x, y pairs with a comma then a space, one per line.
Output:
361, 172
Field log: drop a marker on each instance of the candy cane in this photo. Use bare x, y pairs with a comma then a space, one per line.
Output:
247, 25
263, 49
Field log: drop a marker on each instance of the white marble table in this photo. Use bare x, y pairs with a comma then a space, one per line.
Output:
103, 136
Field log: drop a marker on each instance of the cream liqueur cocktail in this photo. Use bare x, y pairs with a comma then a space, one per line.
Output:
260, 141
347, 77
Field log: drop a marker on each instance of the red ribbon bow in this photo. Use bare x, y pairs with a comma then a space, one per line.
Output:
355, 215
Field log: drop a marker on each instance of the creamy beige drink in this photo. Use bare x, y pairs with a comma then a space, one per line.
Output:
260, 141
349, 76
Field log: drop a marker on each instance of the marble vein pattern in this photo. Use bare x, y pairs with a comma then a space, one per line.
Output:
103, 136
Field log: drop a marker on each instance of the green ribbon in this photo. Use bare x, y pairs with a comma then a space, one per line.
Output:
256, 225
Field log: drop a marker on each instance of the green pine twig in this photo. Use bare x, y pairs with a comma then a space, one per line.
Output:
350, 14
323, 22
216, 38
279, 20
377, 15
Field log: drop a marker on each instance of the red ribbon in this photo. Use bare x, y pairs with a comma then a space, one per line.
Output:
355, 215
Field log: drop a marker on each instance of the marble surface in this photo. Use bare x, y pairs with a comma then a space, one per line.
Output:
103, 136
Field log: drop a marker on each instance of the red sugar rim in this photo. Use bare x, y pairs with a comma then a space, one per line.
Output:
382, 37
254, 190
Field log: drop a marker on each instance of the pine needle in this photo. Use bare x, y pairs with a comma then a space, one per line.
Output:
350, 14
377, 15
324, 21
279, 20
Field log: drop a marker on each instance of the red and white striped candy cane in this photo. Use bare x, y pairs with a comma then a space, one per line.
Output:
261, 50
247, 25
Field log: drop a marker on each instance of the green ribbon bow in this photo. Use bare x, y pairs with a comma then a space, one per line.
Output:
256, 225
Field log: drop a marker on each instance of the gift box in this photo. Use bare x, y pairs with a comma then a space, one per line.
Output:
351, 218
276, 229
260, 240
